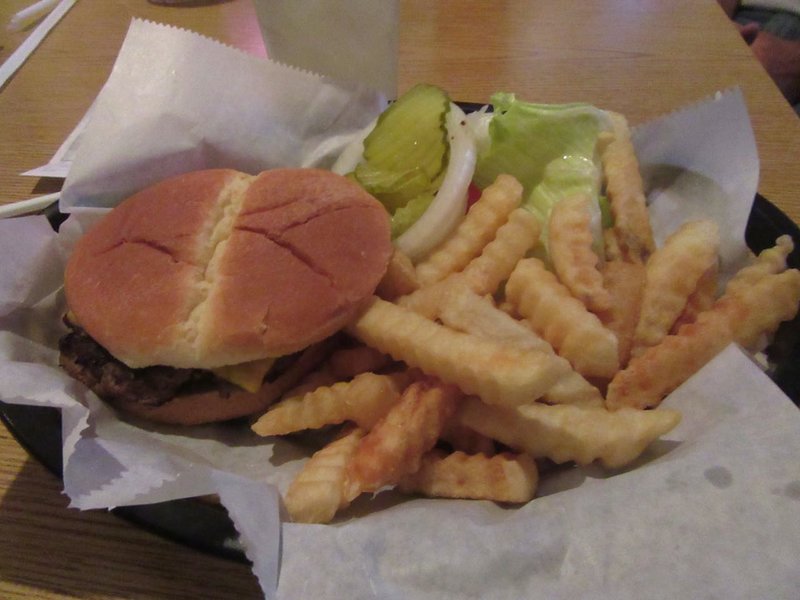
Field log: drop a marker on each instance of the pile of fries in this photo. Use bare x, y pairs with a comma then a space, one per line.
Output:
472, 367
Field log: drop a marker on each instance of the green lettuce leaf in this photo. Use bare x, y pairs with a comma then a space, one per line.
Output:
525, 137
550, 148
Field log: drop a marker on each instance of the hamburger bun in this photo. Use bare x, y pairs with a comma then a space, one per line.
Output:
217, 267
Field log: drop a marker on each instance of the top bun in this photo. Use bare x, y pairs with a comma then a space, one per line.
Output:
218, 267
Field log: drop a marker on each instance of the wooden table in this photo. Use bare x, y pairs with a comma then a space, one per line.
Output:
642, 59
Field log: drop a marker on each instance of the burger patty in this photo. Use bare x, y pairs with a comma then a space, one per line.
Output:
113, 381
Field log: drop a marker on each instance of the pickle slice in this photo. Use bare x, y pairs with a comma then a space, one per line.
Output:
411, 133
406, 154
406, 216
394, 189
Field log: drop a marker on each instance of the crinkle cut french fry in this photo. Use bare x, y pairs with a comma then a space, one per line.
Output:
575, 333
768, 290
318, 490
569, 241
742, 315
768, 302
497, 373
484, 274
460, 437
400, 278
395, 446
463, 310
570, 433
768, 262
611, 247
315, 379
364, 400
660, 369
504, 477
702, 298
574, 389
625, 282
625, 191
425, 301
672, 274
346, 363
477, 229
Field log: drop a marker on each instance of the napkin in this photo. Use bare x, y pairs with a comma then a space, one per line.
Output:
709, 511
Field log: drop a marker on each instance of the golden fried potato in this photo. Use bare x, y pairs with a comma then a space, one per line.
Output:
484, 274
702, 298
514, 239
342, 363
463, 310
768, 302
346, 363
625, 190
611, 248
464, 439
743, 315
395, 446
660, 369
363, 400
625, 282
322, 377
425, 301
672, 274
768, 290
575, 333
573, 389
504, 477
569, 244
400, 278
477, 229
498, 373
570, 433
768, 262
318, 490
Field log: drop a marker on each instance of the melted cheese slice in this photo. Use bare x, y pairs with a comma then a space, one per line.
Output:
249, 375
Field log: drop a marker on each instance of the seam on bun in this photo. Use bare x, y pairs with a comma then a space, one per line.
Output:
229, 205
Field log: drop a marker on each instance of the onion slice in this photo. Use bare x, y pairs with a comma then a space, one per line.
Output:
450, 203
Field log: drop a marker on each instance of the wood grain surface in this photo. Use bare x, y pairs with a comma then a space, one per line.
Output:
642, 59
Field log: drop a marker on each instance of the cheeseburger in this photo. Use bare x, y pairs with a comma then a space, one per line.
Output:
204, 297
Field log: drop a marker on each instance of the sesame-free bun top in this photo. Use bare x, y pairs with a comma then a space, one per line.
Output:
218, 267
